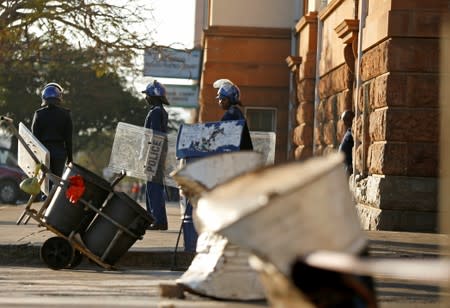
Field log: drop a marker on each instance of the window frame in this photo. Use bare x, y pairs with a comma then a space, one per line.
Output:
274, 118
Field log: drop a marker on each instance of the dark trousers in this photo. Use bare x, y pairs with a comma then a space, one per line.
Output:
57, 165
156, 203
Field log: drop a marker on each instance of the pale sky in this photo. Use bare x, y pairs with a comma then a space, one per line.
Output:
175, 20
175, 25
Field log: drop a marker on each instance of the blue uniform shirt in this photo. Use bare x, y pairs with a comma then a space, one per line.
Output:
346, 147
157, 119
233, 113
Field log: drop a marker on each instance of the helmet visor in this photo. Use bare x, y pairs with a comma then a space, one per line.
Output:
220, 96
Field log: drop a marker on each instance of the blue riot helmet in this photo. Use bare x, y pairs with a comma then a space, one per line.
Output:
52, 92
156, 89
227, 89
54, 84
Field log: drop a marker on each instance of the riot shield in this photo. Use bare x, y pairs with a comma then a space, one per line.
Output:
264, 143
143, 153
204, 139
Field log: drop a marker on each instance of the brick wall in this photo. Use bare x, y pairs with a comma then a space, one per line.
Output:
305, 80
397, 125
254, 59
397, 130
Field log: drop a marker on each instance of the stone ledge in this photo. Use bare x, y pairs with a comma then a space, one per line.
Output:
394, 220
398, 193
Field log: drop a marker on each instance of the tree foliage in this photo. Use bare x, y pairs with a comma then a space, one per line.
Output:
97, 102
84, 45
81, 44
116, 29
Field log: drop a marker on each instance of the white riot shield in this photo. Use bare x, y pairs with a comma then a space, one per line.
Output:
171, 160
264, 143
143, 153
205, 139
26, 162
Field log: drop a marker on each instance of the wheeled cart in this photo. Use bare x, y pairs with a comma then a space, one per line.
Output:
101, 225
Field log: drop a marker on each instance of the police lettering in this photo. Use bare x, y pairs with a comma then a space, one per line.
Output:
153, 156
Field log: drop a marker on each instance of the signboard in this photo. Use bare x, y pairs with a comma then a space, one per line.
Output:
172, 63
197, 140
24, 159
182, 95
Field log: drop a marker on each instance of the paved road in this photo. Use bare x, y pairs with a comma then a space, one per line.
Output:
89, 286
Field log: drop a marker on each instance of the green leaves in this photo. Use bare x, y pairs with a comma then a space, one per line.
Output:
81, 45
97, 101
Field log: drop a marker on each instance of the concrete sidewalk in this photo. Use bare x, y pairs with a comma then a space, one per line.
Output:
20, 244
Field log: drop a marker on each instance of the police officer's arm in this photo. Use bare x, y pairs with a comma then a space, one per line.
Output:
35, 126
68, 138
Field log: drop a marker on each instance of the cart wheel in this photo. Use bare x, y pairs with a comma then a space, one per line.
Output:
57, 253
77, 258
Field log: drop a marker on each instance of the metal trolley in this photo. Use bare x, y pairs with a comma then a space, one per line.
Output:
102, 225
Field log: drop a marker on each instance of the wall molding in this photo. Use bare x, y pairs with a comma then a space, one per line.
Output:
333, 5
311, 18
253, 32
293, 63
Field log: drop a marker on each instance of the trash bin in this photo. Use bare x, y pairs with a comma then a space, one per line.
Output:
107, 240
66, 217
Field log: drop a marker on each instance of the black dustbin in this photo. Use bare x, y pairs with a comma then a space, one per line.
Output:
66, 217
104, 237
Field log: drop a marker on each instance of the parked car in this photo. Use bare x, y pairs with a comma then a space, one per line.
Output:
10, 177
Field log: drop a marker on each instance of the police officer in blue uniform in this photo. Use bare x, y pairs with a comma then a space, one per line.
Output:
347, 142
228, 97
52, 126
157, 120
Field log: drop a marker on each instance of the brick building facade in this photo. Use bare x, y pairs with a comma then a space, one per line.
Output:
234, 53
250, 50
388, 74
395, 98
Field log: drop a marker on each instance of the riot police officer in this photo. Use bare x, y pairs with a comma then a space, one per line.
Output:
52, 126
157, 120
229, 99
347, 142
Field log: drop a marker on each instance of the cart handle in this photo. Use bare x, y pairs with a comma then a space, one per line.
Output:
10, 123
7, 119
119, 177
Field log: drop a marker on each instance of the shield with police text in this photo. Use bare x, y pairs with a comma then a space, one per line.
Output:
140, 152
